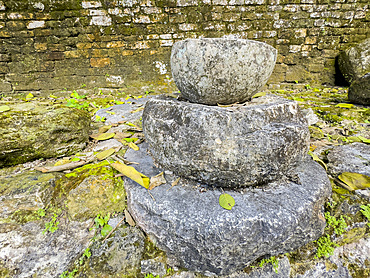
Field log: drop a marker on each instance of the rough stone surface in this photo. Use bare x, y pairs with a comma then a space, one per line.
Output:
221, 70
236, 146
349, 158
359, 91
24, 249
124, 112
355, 61
29, 131
120, 254
189, 224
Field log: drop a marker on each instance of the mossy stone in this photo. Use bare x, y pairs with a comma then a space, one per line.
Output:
31, 131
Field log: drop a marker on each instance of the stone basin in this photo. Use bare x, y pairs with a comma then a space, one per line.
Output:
221, 70
237, 146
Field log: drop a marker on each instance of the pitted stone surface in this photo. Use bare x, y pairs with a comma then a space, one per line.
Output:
355, 61
221, 70
359, 91
238, 146
194, 230
349, 158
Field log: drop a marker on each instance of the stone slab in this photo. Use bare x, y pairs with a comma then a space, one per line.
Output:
349, 158
188, 223
235, 146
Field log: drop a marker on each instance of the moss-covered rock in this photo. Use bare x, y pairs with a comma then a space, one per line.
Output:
30, 131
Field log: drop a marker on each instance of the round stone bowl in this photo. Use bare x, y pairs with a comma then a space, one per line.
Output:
221, 70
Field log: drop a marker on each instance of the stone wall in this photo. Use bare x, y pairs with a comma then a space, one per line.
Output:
50, 46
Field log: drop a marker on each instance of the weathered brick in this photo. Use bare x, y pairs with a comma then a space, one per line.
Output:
100, 62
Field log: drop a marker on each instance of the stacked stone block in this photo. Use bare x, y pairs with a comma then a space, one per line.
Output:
47, 46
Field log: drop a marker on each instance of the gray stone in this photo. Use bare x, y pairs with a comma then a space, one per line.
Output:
237, 146
359, 91
124, 112
221, 70
26, 251
349, 158
188, 223
153, 266
30, 131
355, 61
120, 254
310, 116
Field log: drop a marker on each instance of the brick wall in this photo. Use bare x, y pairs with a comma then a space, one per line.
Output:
50, 46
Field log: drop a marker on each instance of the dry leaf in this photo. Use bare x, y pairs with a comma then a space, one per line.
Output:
129, 218
317, 159
157, 181
121, 135
104, 129
175, 182
137, 110
104, 154
355, 180
102, 136
260, 94
132, 173
133, 146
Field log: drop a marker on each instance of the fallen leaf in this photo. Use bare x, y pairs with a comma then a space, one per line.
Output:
104, 154
29, 96
355, 180
260, 94
104, 129
129, 218
157, 181
344, 105
137, 110
102, 136
121, 135
132, 173
318, 160
75, 159
364, 140
226, 201
133, 146
4, 108
62, 162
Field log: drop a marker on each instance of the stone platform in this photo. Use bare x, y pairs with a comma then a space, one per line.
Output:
198, 234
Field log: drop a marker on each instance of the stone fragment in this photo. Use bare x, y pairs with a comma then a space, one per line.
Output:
237, 146
221, 70
359, 91
349, 158
119, 255
29, 131
188, 223
355, 61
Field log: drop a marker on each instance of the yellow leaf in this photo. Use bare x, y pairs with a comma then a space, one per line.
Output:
102, 136
29, 96
364, 140
4, 108
157, 181
137, 110
62, 162
104, 154
317, 159
132, 173
355, 180
104, 129
133, 146
344, 105
260, 94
